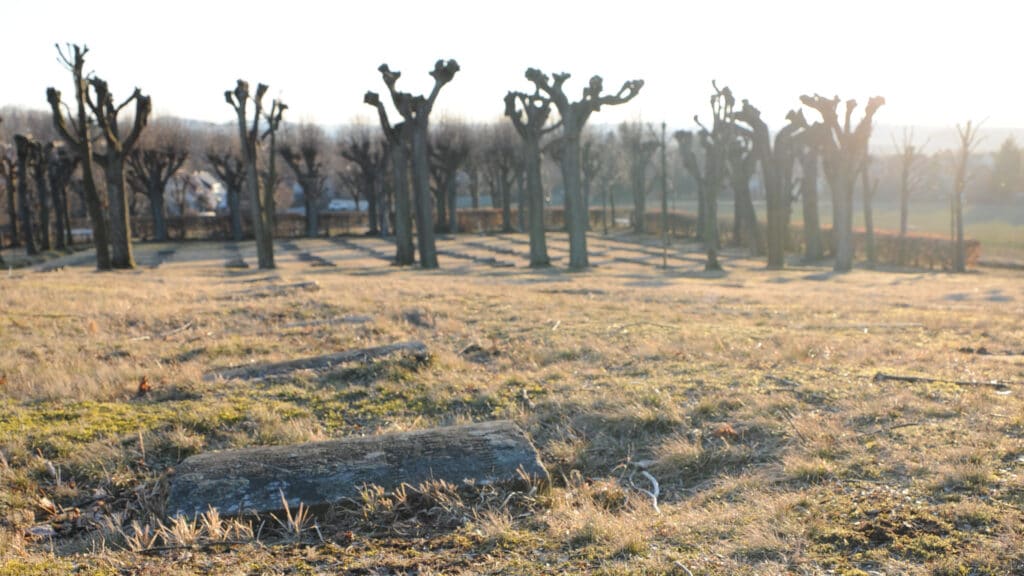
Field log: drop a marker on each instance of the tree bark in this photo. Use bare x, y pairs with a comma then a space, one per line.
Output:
404, 252
575, 217
318, 474
813, 248
868, 192
535, 197
24, 150
44, 194
12, 203
156, 208
120, 226
424, 201
452, 196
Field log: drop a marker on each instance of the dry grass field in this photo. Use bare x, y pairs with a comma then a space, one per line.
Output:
750, 396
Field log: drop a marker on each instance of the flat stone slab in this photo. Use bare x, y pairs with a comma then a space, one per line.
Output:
318, 474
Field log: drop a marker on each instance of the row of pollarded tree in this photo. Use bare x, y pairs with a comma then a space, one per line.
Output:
724, 154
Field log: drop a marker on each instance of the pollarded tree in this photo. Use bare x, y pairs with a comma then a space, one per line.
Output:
260, 199
529, 114
715, 142
416, 112
595, 158
844, 148
742, 165
503, 162
75, 131
228, 167
640, 146
271, 179
449, 151
151, 165
574, 117
43, 198
369, 156
27, 150
808, 152
112, 160
686, 142
305, 158
62, 164
910, 178
868, 189
777, 166
398, 138
9, 173
968, 142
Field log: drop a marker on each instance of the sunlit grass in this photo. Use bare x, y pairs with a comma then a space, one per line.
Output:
750, 398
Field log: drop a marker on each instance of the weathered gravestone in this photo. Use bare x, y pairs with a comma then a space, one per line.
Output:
317, 474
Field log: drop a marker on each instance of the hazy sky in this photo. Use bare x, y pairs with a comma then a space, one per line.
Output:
936, 63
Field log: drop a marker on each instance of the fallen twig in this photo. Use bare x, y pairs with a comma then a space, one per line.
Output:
653, 493
883, 377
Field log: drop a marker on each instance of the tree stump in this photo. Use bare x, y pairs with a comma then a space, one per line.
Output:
317, 474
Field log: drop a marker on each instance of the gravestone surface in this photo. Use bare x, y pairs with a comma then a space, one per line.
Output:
317, 474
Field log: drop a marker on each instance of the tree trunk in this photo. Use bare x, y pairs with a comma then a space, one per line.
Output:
506, 203
535, 197
421, 189
59, 195
702, 215
120, 225
842, 221
869, 223
260, 222
372, 208
45, 197
575, 217
441, 202
13, 213
235, 208
452, 196
637, 180
319, 474
813, 249
156, 207
383, 203
745, 227
604, 208
313, 208
474, 187
611, 203
404, 252
521, 199
716, 168
24, 206
904, 210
